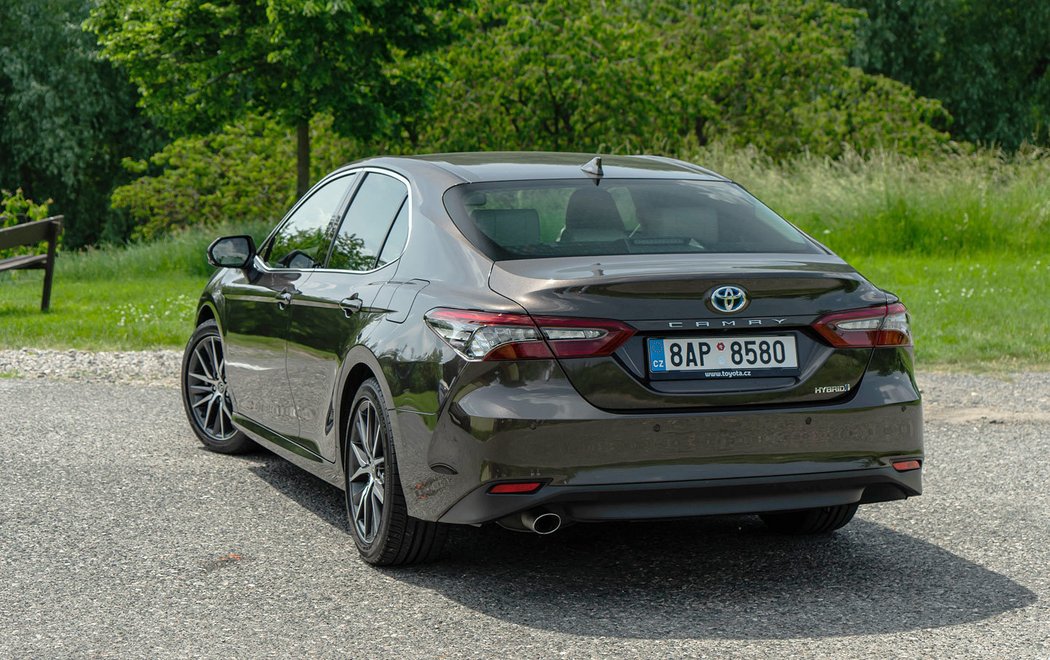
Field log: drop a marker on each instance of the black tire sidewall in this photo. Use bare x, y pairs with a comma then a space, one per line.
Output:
239, 442
373, 551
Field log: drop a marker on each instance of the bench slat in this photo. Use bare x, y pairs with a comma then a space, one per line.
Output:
25, 234
26, 261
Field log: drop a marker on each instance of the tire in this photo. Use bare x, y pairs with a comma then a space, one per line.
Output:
810, 521
204, 395
383, 531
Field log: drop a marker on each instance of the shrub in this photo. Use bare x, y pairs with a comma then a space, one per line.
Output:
15, 208
243, 173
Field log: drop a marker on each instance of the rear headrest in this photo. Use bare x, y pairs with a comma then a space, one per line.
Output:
509, 227
686, 222
592, 208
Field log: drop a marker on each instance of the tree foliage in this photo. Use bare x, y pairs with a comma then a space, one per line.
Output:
663, 75
987, 61
15, 208
66, 118
243, 174
775, 74
577, 74
200, 65
545, 75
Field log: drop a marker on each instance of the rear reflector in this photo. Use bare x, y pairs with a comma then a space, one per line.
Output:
873, 327
500, 336
904, 466
520, 488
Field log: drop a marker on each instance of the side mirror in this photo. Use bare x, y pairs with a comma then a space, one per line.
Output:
231, 252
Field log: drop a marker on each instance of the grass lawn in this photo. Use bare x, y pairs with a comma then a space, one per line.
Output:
984, 312
989, 312
129, 314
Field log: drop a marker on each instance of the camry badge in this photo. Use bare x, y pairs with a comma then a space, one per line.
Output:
728, 299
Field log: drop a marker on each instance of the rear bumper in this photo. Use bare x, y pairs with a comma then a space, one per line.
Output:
683, 499
525, 422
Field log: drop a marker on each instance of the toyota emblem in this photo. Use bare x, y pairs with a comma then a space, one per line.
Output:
728, 299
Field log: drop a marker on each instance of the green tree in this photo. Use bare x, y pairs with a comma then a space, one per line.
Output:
241, 175
66, 118
200, 65
546, 75
776, 74
660, 75
986, 61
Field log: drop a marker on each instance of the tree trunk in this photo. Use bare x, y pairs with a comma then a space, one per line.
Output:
302, 131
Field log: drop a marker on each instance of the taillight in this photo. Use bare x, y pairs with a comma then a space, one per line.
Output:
570, 338
499, 336
866, 328
489, 336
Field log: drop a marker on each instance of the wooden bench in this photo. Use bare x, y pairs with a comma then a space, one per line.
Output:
29, 234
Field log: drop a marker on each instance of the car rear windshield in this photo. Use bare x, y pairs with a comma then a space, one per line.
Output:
556, 218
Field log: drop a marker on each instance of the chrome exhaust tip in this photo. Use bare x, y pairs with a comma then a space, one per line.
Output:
541, 522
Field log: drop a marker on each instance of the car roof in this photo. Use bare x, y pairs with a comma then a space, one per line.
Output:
472, 167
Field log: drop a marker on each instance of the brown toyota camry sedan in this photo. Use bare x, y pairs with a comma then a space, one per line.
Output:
542, 339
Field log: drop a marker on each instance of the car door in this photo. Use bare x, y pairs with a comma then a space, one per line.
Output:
258, 311
334, 311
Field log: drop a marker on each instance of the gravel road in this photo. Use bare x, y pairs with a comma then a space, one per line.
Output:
121, 536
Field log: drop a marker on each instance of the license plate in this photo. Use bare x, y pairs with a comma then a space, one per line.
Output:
724, 357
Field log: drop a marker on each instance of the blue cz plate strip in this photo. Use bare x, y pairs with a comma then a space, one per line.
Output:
657, 361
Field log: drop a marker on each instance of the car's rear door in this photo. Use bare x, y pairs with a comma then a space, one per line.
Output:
258, 304
334, 309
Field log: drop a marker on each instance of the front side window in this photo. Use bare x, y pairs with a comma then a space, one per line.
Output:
376, 203
302, 242
565, 218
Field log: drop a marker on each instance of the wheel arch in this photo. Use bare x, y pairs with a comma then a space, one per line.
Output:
207, 311
360, 365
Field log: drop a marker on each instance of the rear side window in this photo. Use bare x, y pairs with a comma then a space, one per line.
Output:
367, 223
395, 240
535, 219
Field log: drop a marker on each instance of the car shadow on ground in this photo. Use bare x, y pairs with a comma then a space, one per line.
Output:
721, 577
313, 494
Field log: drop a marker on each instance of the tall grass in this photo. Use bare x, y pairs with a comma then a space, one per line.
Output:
182, 253
952, 204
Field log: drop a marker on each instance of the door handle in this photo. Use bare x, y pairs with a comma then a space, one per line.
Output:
284, 299
351, 305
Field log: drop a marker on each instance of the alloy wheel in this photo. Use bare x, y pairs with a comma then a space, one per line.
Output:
208, 395
367, 467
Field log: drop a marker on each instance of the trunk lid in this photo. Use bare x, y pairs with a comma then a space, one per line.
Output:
667, 297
